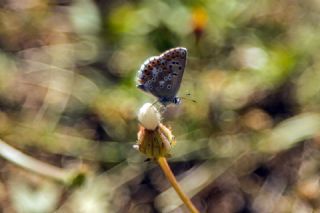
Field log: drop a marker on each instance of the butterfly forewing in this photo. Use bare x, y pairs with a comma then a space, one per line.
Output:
174, 69
162, 75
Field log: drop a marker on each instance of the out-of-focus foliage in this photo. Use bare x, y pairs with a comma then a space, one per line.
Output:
68, 98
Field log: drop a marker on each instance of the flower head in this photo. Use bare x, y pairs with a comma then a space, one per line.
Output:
154, 139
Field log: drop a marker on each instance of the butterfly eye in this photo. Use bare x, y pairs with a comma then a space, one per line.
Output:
169, 86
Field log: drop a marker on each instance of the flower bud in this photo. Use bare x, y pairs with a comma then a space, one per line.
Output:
154, 139
149, 117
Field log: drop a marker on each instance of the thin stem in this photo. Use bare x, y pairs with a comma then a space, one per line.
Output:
162, 161
15, 156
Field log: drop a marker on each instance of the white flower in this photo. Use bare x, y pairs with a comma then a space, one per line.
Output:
149, 116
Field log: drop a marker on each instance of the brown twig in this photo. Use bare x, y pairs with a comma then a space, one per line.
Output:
20, 159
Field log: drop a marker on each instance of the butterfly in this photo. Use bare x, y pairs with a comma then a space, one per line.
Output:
162, 75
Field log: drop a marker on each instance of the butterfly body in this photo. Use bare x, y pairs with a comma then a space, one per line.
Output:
162, 75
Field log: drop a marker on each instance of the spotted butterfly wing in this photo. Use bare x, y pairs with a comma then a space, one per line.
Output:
162, 75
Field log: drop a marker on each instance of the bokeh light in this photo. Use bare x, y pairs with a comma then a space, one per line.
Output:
68, 97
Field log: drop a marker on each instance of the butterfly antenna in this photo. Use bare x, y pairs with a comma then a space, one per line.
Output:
188, 99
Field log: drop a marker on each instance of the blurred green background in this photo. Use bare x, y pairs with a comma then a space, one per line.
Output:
68, 97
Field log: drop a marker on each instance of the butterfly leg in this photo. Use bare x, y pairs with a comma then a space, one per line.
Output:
155, 102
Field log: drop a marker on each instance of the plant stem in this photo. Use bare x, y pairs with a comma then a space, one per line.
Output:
162, 161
